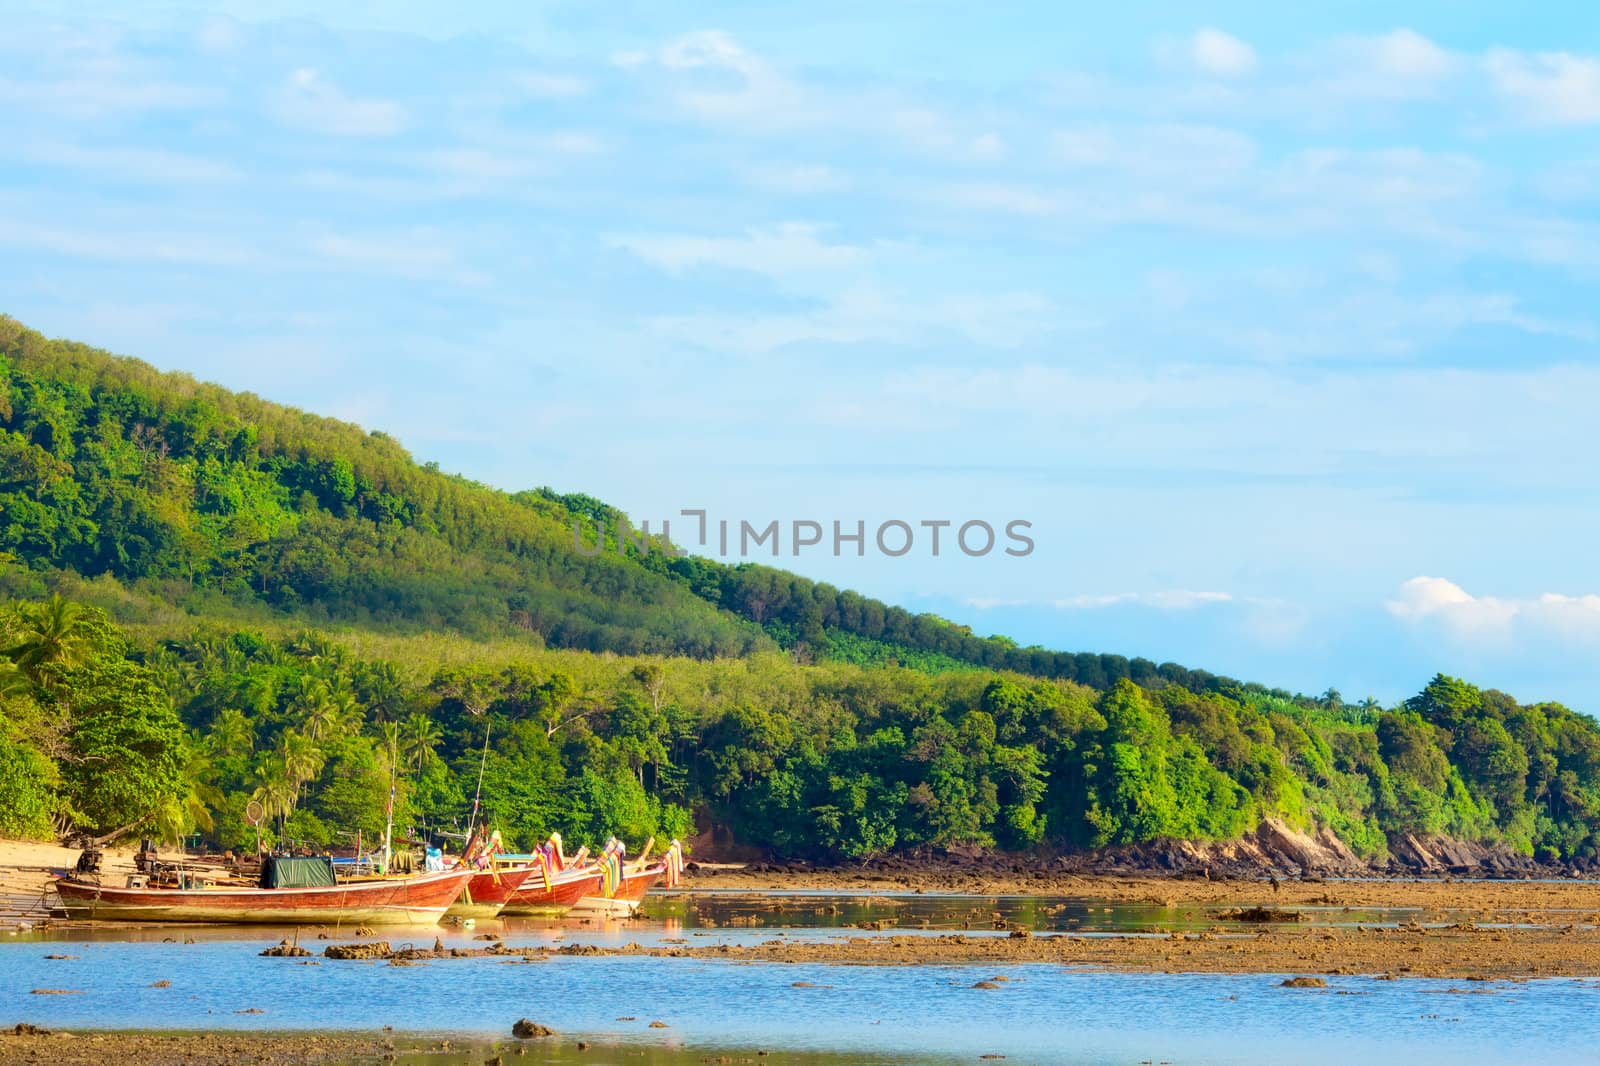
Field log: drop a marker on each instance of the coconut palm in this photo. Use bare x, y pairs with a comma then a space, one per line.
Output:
276, 795
231, 733
422, 736
302, 759
177, 816
52, 633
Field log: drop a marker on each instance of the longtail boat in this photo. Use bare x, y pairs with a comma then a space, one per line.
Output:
623, 884
488, 891
565, 889
627, 896
290, 892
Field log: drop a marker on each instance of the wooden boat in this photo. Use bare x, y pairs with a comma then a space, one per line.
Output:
419, 900
488, 891
629, 894
567, 887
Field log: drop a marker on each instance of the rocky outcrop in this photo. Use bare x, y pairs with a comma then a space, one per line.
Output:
1432, 854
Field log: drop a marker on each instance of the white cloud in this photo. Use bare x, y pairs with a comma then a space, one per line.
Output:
723, 82
1552, 88
1491, 620
1165, 600
1220, 55
1405, 53
1398, 65
864, 313
712, 78
786, 249
309, 101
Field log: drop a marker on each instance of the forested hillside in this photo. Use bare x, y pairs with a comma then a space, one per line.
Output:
214, 599
219, 501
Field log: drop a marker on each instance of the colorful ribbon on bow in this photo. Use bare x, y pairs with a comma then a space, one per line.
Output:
673, 861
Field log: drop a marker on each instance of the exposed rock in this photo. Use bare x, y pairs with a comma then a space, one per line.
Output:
377, 949
1259, 914
286, 950
1303, 982
527, 1029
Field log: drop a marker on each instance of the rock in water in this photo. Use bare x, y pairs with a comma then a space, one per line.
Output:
1304, 982
527, 1029
378, 949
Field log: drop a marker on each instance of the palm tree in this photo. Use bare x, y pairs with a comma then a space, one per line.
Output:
231, 733
347, 711
302, 759
13, 682
320, 717
385, 689
422, 736
53, 632
179, 815
275, 794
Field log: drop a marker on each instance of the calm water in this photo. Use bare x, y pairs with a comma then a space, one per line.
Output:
1043, 1013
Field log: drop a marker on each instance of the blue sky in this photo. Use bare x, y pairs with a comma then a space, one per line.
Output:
1277, 325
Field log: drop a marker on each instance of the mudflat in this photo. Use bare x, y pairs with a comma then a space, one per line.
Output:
1428, 893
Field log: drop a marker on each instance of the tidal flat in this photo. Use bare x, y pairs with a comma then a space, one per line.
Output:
1506, 973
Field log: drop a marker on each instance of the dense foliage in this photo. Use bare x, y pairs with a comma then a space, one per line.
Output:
207, 542
222, 501
829, 760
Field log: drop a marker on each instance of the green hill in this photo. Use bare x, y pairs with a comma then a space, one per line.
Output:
216, 500
213, 599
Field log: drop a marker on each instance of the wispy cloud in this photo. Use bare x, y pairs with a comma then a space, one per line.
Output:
1219, 54
780, 251
128, 163
308, 100
1164, 600
1551, 88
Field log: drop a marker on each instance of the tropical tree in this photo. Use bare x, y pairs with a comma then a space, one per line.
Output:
422, 737
52, 633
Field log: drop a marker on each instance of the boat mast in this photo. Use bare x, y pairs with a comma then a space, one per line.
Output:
388, 828
476, 796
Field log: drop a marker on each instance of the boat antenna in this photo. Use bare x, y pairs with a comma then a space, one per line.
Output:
482, 762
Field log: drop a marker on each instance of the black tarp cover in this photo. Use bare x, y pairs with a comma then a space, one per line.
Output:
313, 872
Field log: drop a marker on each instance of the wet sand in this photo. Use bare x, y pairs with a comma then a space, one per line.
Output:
1457, 953
1426, 893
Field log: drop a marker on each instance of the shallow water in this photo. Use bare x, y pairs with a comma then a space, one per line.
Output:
1042, 1013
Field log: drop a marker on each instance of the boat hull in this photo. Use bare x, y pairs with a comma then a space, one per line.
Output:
630, 893
486, 893
420, 900
566, 889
